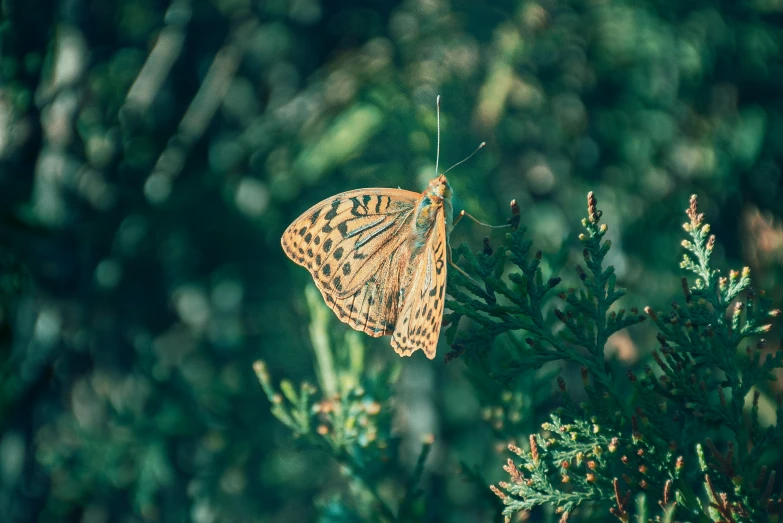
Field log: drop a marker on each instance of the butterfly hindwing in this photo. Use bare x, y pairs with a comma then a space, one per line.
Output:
418, 325
355, 246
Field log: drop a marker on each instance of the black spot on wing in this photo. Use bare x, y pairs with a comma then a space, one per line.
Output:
332, 214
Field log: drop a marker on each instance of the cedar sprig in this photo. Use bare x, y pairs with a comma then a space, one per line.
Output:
648, 446
518, 301
706, 372
520, 309
577, 462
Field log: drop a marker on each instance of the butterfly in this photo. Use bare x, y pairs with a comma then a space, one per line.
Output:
379, 258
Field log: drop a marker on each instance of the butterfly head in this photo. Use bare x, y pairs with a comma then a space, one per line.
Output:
439, 189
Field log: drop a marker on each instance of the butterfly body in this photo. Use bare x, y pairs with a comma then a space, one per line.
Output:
379, 258
436, 198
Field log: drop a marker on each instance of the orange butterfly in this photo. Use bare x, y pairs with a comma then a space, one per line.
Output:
379, 258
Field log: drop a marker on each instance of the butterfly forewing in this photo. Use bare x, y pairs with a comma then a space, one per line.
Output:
356, 246
418, 325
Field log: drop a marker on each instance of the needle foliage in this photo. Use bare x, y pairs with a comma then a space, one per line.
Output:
684, 442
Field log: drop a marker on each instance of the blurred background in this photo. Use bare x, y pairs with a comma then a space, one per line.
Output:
152, 152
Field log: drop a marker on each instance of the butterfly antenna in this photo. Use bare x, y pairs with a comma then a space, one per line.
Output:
481, 146
437, 154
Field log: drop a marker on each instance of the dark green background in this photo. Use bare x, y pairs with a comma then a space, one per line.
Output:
152, 153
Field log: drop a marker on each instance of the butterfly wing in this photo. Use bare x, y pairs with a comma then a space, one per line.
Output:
418, 325
356, 247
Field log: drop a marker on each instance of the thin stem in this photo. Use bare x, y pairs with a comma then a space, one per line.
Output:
348, 461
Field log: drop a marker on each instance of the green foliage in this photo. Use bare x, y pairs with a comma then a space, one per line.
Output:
352, 422
588, 326
152, 153
613, 446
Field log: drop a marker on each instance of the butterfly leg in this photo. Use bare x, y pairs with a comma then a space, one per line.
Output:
458, 268
465, 274
463, 214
